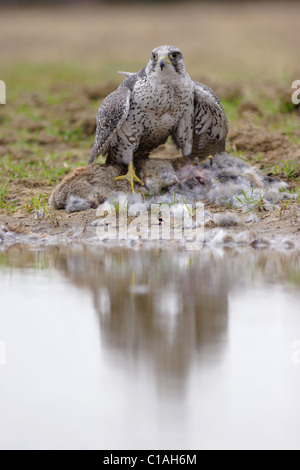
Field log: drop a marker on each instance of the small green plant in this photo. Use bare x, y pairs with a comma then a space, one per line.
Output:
250, 202
38, 206
276, 170
117, 206
211, 222
228, 204
284, 206
289, 168
275, 203
175, 200
247, 199
3, 192
191, 210
7, 205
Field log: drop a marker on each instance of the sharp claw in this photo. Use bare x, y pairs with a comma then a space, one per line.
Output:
132, 186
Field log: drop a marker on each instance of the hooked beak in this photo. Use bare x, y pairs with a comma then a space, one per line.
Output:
162, 62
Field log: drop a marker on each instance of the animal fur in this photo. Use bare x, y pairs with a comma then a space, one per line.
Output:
221, 180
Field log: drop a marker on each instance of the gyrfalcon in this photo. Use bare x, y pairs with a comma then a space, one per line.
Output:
159, 101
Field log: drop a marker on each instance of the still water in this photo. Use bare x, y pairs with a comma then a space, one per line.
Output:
124, 349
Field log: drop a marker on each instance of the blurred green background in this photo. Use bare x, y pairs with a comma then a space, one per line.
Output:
89, 42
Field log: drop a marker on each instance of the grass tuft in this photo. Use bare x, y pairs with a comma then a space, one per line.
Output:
288, 168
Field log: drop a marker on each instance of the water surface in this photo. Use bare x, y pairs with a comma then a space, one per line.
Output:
110, 349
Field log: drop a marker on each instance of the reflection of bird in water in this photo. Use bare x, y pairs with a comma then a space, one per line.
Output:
161, 309
159, 101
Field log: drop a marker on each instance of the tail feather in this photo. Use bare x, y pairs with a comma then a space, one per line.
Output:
126, 74
94, 155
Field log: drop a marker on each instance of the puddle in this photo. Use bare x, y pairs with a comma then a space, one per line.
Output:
112, 348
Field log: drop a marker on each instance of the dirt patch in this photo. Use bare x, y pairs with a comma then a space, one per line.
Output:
258, 224
279, 230
232, 91
250, 140
99, 92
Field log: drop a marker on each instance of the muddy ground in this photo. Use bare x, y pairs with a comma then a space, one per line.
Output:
48, 124
255, 143
264, 226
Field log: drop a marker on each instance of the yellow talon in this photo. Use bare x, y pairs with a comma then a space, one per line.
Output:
209, 159
197, 161
130, 176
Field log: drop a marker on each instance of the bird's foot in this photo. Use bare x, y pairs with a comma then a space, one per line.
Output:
209, 160
131, 177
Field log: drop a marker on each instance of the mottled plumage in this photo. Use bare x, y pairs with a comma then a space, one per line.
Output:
159, 101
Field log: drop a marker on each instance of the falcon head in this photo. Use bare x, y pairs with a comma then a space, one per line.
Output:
166, 63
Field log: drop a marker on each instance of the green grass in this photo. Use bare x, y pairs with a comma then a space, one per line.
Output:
191, 208
285, 205
40, 106
250, 202
5, 203
29, 77
40, 170
37, 205
3, 192
231, 108
276, 115
288, 168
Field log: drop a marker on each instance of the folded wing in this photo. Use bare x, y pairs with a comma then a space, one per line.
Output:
210, 123
112, 113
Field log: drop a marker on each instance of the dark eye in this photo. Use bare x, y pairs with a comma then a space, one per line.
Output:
154, 56
174, 55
